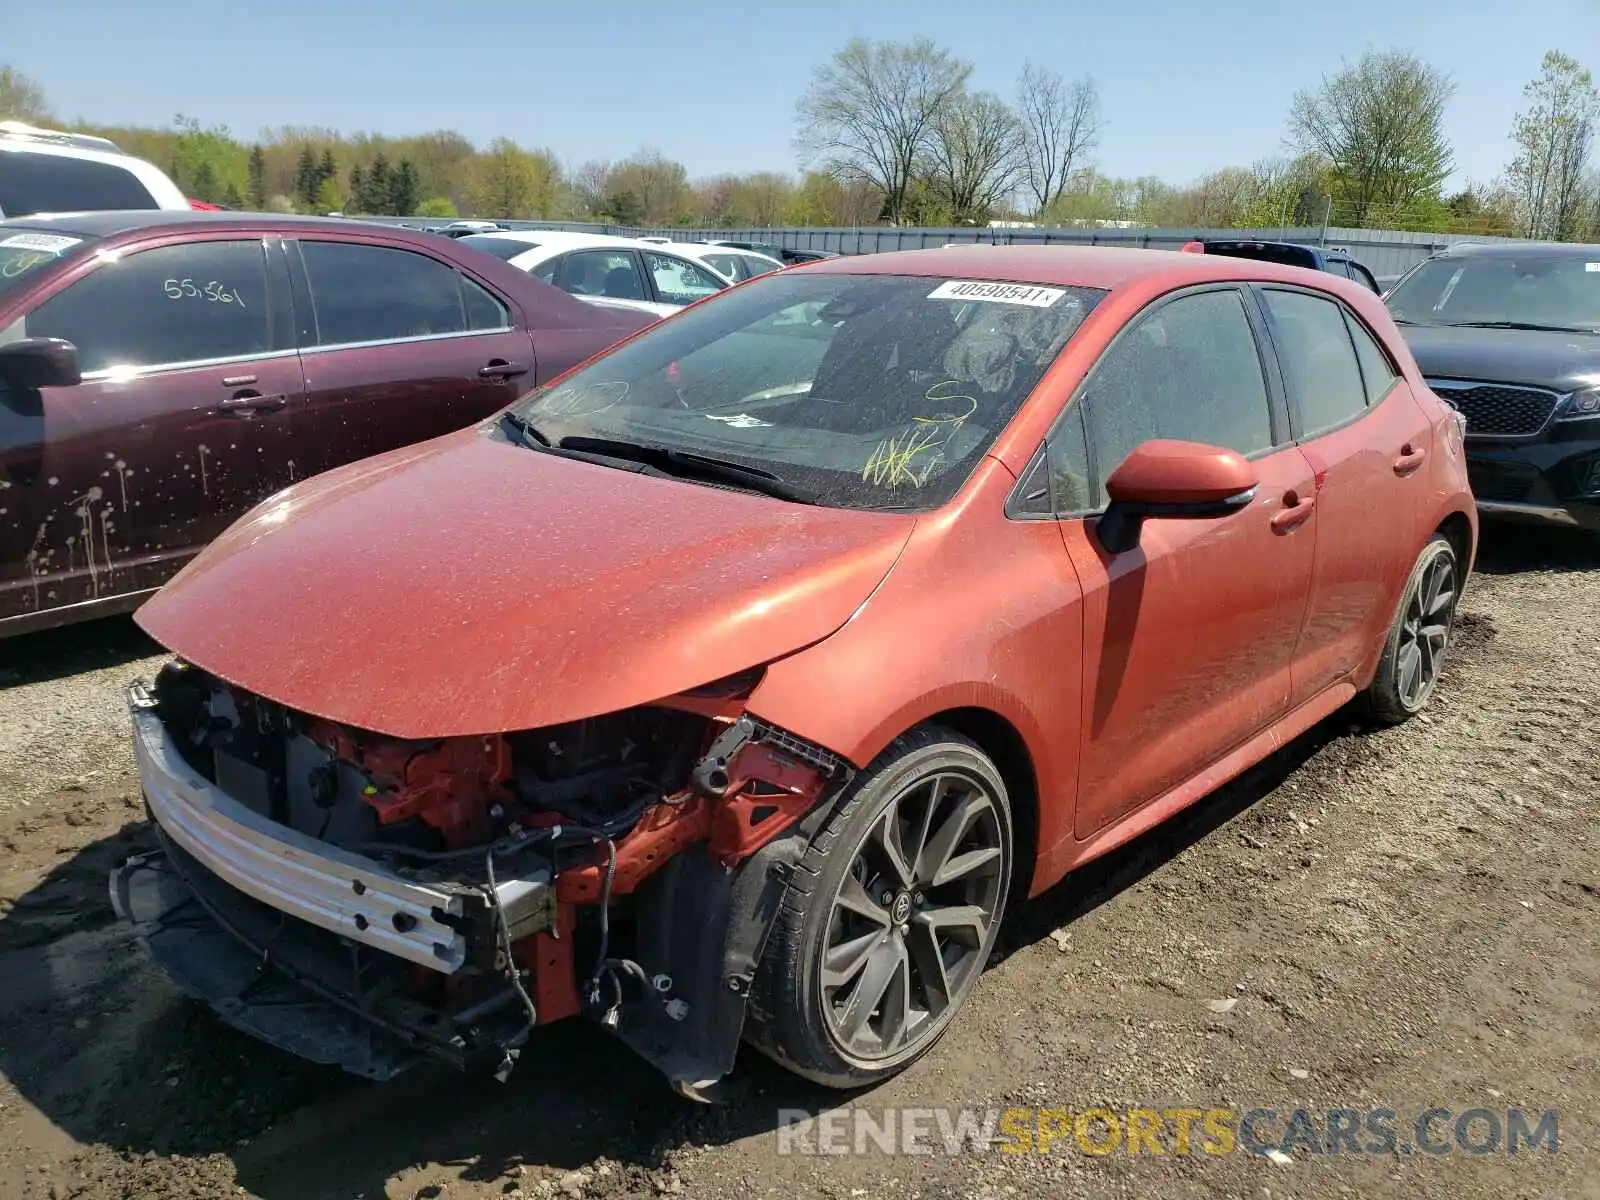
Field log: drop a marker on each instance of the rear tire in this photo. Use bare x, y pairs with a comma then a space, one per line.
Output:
1414, 652
890, 916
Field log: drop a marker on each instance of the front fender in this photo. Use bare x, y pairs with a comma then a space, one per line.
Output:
978, 613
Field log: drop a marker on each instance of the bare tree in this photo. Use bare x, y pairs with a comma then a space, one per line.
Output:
589, 186
975, 154
21, 98
1554, 137
869, 112
1060, 128
1381, 123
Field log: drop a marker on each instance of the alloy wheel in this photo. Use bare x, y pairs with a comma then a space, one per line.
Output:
910, 924
1425, 632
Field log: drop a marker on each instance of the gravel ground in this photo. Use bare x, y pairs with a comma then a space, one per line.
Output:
1368, 920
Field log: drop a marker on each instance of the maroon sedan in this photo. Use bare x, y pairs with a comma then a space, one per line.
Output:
162, 372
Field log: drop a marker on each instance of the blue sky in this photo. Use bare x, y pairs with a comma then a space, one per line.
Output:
1185, 87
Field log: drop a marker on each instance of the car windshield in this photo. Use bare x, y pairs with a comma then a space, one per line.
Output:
861, 391
1558, 291
24, 254
501, 247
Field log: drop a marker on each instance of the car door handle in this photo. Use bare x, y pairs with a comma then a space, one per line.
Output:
249, 404
1296, 512
497, 369
1410, 459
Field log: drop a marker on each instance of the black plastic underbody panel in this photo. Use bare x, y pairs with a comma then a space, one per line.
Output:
289, 983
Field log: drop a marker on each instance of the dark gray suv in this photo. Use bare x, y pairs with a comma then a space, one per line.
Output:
1509, 333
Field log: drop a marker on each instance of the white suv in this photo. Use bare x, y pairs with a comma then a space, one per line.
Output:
43, 170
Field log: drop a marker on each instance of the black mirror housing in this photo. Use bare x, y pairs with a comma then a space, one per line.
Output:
34, 363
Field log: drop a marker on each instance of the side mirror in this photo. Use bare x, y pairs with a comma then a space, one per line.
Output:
1172, 479
33, 363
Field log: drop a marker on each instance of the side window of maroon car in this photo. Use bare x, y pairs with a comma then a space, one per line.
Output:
363, 293
164, 307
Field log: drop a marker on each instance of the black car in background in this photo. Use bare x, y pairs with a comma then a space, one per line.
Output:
1509, 333
783, 254
1290, 254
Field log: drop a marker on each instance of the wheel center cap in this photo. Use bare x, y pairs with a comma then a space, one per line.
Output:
900, 911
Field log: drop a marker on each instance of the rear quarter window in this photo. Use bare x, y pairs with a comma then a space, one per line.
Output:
38, 183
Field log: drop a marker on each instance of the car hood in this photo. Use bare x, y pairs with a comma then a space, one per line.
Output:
470, 586
1563, 362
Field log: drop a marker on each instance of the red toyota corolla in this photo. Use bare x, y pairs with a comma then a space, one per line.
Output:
732, 685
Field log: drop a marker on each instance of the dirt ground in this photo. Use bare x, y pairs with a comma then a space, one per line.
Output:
1403, 919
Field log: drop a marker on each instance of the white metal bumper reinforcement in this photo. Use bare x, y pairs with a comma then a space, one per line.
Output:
345, 893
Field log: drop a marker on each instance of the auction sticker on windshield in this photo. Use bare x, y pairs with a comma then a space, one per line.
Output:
997, 293
50, 243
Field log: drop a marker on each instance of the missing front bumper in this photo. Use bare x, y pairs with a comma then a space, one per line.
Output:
429, 924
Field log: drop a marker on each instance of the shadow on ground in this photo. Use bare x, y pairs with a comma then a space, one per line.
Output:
71, 650
1505, 548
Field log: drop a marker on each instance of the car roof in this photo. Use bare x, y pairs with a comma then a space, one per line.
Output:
114, 222
156, 183
1107, 267
1520, 250
695, 249
565, 239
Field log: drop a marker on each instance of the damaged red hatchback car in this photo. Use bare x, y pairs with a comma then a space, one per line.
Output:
732, 686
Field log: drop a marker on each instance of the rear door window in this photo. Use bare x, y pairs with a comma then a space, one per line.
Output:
31, 182
366, 293
613, 273
734, 266
1377, 373
679, 281
484, 310
1318, 359
1187, 369
161, 307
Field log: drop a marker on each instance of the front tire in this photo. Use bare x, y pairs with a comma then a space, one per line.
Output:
890, 915
1414, 653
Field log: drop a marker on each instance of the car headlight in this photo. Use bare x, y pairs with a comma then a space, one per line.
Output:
1581, 406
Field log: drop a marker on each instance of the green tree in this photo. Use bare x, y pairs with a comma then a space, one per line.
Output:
306, 181
1380, 122
513, 182
623, 207
380, 187
330, 196
201, 183
358, 190
232, 197
403, 188
437, 206
659, 184
258, 178
870, 110
1554, 136
327, 168
205, 161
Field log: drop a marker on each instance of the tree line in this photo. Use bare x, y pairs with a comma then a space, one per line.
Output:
892, 132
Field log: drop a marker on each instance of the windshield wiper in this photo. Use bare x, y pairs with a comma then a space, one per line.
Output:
688, 463
1519, 325
524, 430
